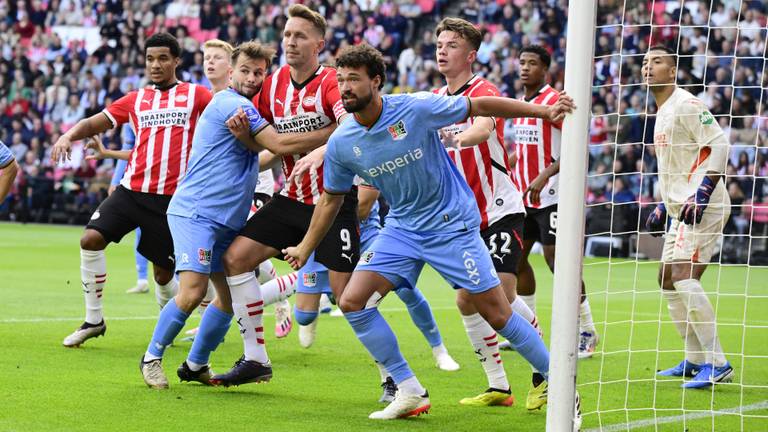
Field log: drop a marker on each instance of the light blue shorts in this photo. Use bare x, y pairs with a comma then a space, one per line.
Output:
199, 243
313, 278
461, 258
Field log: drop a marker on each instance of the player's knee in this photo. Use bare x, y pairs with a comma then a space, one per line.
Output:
305, 317
495, 319
234, 263
410, 297
92, 240
162, 276
347, 304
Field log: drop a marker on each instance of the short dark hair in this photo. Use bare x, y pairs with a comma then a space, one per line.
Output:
539, 51
463, 28
356, 56
670, 53
254, 50
163, 40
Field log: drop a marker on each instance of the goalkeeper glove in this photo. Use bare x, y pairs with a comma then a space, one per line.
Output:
694, 206
657, 221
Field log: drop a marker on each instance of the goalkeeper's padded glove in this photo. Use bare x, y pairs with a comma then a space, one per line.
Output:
657, 221
694, 206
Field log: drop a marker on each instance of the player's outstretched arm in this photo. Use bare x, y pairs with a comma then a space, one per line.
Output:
493, 106
480, 131
100, 152
322, 218
7, 176
277, 143
93, 125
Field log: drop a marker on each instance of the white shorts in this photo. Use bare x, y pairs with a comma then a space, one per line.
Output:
695, 243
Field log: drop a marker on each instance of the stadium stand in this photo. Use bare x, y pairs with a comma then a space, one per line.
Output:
62, 60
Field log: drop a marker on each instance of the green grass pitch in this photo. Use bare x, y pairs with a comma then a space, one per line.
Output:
334, 385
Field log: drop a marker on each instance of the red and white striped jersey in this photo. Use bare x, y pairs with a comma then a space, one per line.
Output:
537, 145
485, 166
163, 121
305, 107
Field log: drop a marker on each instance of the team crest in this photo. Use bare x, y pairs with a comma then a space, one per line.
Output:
357, 151
366, 257
706, 118
310, 279
308, 101
398, 131
204, 256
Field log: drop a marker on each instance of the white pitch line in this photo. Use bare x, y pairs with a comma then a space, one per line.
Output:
679, 418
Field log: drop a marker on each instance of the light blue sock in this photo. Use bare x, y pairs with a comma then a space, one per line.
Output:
213, 328
141, 262
169, 324
305, 318
373, 331
527, 342
421, 314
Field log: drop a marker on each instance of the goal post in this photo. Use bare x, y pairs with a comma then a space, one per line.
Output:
610, 173
570, 233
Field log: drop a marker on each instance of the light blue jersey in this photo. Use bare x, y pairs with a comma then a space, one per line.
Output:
5, 155
222, 172
402, 156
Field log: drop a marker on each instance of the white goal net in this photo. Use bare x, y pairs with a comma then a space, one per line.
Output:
720, 48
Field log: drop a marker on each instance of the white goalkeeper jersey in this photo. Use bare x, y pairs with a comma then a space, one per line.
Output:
684, 134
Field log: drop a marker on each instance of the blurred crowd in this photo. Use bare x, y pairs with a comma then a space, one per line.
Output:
63, 60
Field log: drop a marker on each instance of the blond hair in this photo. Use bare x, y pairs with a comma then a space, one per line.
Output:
254, 49
218, 43
301, 11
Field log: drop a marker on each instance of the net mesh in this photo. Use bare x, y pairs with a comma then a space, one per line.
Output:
721, 59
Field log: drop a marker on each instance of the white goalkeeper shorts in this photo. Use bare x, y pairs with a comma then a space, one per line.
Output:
695, 243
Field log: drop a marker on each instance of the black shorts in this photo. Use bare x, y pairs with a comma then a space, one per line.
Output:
282, 222
126, 210
504, 239
260, 199
541, 225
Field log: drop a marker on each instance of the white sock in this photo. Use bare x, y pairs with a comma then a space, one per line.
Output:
411, 386
382, 371
279, 289
530, 300
209, 296
438, 350
93, 276
267, 272
585, 317
163, 293
194, 367
486, 345
519, 306
701, 315
694, 353
248, 308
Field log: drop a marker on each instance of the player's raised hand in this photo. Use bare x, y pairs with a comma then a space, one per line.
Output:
559, 109
295, 257
62, 149
311, 161
657, 221
94, 143
239, 125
